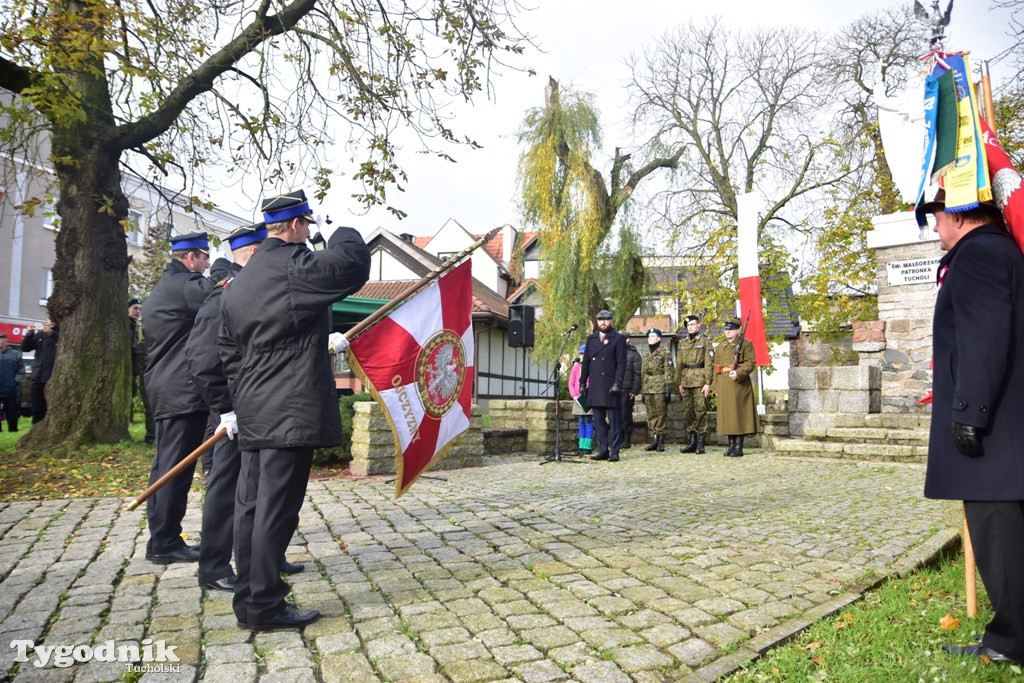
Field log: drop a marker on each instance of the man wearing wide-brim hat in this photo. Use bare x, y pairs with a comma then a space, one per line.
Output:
274, 347
977, 431
737, 413
178, 409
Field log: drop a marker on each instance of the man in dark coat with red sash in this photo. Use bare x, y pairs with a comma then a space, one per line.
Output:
976, 445
604, 365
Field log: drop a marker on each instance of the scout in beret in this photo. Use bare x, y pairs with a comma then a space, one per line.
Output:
656, 388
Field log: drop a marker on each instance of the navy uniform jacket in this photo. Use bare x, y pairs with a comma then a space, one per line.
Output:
45, 346
978, 378
167, 318
273, 340
201, 352
604, 364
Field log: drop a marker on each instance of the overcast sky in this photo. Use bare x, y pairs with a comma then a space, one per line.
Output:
585, 44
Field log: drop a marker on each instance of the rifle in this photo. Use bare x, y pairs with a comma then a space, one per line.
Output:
739, 344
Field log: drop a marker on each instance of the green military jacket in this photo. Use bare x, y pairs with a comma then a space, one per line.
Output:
737, 413
657, 372
694, 361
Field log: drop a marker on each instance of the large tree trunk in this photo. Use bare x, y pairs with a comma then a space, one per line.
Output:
89, 393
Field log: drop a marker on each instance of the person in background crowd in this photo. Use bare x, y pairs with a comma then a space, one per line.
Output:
657, 389
584, 418
178, 409
139, 366
695, 363
12, 372
44, 342
604, 366
632, 384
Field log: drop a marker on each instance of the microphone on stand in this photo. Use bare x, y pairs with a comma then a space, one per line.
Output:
570, 330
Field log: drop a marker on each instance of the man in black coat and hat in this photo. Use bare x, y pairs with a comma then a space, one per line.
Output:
604, 365
274, 347
976, 444
178, 409
44, 342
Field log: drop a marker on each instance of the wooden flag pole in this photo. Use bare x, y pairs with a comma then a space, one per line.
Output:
986, 95
176, 470
969, 572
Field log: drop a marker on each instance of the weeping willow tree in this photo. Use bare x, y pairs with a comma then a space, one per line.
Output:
588, 264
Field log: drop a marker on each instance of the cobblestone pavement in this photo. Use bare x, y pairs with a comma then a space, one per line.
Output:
659, 567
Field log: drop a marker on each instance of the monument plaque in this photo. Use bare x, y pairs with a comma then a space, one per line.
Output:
913, 272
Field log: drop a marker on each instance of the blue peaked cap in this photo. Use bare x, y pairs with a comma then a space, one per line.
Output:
285, 207
250, 234
194, 240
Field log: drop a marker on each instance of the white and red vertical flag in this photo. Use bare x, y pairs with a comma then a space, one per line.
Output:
418, 364
748, 207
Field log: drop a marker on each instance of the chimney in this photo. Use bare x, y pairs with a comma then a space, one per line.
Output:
508, 236
406, 237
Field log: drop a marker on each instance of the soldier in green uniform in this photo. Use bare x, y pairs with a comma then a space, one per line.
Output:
694, 373
737, 414
657, 388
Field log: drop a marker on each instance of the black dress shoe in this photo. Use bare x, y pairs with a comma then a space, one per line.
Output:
289, 617
599, 456
613, 458
979, 650
225, 583
290, 568
183, 554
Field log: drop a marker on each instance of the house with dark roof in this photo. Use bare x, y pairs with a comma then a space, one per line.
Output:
398, 263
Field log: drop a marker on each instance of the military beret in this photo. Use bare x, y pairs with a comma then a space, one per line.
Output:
654, 330
286, 207
691, 319
604, 314
732, 324
250, 234
193, 240
135, 301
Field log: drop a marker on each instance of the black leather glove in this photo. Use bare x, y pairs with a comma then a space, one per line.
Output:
615, 389
966, 439
668, 396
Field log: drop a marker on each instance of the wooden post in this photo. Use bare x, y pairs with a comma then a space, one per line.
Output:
970, 573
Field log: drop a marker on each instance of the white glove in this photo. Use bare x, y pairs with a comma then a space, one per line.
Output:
229, 422
337, 342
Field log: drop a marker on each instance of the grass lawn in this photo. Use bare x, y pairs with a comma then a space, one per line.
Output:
120, 470
894, 634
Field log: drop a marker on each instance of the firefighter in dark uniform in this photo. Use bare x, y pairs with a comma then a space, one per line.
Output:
215, 571
274, 347
139, 366
657, 389
178, 409
604, 365
695, 362
737, 413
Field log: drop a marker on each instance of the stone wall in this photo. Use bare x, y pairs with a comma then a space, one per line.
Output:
537, 417
906, 310
504, 441
817, 396
373, 444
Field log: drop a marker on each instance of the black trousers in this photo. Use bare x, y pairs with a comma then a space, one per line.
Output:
10, 411
997, 534
176, 437
627, 417
38, 401
139, 388
601, 429
219, 512
271, 489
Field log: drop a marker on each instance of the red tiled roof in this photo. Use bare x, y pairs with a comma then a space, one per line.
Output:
639, 325
421, 242
494, 247
384, 289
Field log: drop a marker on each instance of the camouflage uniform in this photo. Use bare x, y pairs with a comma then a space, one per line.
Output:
694, 369
657, 372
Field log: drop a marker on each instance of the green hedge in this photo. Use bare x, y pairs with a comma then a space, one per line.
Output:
343, 453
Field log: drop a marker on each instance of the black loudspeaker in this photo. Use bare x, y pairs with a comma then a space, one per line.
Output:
520, 325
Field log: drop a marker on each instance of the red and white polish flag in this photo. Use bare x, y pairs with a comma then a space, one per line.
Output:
418, 364
748, 207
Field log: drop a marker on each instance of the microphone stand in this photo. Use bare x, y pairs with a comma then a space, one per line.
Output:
557, 455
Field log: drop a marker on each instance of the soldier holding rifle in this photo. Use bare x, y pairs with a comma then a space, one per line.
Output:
737, 413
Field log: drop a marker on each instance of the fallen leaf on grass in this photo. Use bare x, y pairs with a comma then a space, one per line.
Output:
986, 659
913, 603
820, 661
776, 672
812, 646
840, 624
949, 623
